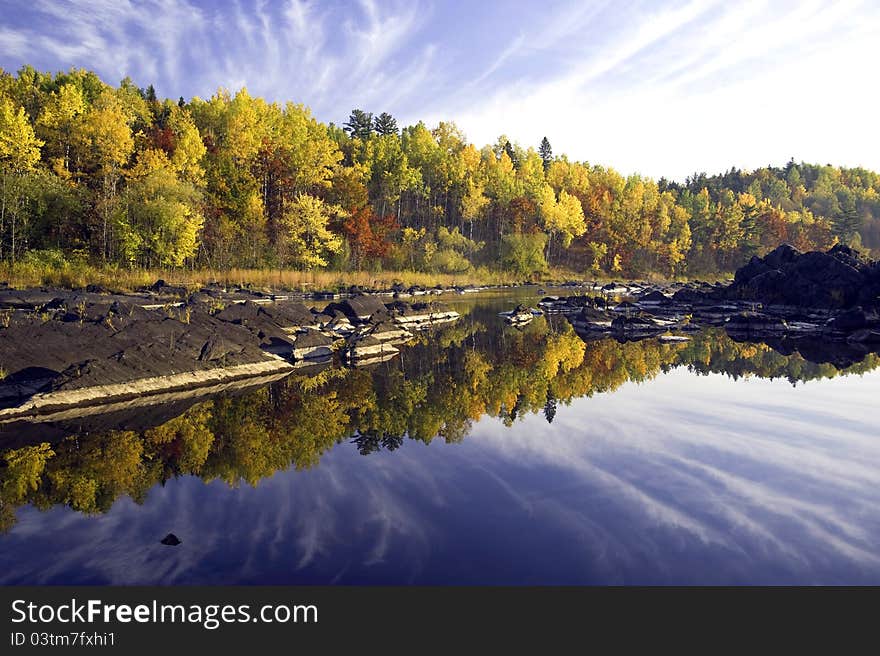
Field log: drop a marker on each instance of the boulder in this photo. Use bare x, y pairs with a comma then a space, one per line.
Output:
839, 278
312, 344
688, 295
358, 308
655, 297
755, 322
850, 320
636, 325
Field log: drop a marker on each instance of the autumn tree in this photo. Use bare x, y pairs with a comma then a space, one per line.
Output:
19, 153
368, 234
106, 142
307, 241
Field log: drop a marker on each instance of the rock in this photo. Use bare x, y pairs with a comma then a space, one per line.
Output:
673, 339
312, 344
369, 347
850, 320
239, 313
780, 256
340, 326
216, 348
388, 331
359, 308
635, 325
688, 295
289, 313
163, 288
655, 297
865, 336
420, 316
754, 268
626, 306
171, 540
839, 278
519, 316
755, 323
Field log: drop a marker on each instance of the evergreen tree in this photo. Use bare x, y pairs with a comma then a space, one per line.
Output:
359, 124
385, 124
511, 153
546, 153
847, 221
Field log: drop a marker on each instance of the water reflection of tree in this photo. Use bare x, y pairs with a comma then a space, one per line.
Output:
439, 388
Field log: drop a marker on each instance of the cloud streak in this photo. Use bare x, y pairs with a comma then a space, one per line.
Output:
658, 88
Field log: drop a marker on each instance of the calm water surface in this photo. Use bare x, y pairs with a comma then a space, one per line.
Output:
485, 454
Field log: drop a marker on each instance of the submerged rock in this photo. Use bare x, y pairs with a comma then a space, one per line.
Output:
636, 325
755, 323
171, 540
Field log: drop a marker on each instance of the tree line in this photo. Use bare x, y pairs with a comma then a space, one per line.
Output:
115, 175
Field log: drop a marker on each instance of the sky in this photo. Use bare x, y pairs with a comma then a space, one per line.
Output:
661, 88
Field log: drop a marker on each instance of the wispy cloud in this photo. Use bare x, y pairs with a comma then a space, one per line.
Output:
659, 88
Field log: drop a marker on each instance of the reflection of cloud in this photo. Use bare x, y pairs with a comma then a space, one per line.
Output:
799, 478
684, 479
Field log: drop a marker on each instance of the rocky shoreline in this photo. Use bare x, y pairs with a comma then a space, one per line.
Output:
832, 296
62, 349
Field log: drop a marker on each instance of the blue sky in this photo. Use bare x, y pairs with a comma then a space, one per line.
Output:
659, 88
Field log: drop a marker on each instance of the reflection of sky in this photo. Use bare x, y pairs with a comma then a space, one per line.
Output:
684, 479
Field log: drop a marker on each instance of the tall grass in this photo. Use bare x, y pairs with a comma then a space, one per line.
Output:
77, 275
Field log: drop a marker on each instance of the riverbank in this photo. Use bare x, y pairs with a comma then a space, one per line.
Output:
128, 280
62, 349
79, 276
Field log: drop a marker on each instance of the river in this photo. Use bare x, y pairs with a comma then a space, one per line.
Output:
482, 454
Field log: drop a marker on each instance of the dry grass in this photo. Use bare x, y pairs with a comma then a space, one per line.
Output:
123, 279
75, 276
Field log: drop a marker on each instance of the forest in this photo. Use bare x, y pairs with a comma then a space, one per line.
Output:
115, 177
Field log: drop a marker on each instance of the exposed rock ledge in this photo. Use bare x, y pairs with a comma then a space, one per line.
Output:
67, 349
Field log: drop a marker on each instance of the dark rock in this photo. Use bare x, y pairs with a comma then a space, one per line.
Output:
171, 540
688, 295
754, 268
854, 319
655, 296
201, 298
755, 322
865, 336
636, 324
239, 313
589, 314
837, 279
360, 307
163, 288
216, 348
780, 256
289, 313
